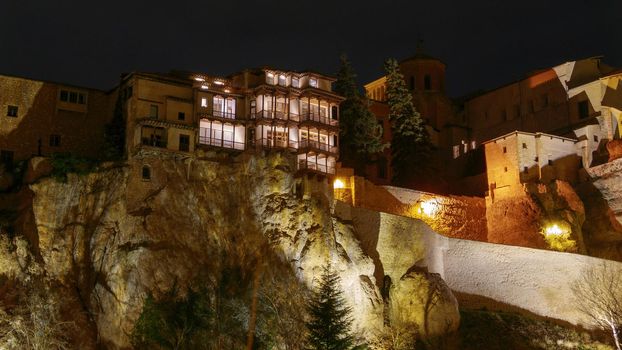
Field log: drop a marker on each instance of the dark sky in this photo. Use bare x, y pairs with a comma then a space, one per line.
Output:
484, 43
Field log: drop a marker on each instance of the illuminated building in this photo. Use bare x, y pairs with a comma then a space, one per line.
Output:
247, 111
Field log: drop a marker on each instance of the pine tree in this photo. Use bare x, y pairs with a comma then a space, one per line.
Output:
330, 323
410, 145
360, 134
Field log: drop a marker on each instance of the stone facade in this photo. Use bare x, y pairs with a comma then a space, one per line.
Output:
42, 118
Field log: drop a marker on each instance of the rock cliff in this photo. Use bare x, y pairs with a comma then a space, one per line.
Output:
99, 244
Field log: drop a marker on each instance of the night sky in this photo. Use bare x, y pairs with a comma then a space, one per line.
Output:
484, 43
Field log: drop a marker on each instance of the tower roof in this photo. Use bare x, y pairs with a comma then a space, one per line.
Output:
420, 55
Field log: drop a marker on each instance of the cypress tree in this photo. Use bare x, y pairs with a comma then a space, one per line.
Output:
360, 134
330, 320
410, 146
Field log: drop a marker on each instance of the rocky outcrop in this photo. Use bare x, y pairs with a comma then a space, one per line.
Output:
108, 239
523, 220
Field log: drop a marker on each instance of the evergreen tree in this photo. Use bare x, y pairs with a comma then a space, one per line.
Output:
360, 134
410, 145
330, 320
114, 142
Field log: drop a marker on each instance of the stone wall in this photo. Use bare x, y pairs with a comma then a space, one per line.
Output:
534, 280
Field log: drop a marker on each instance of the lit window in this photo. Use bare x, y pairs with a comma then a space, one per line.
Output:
456, 151
203, 102
270, 78
295, 82
219, 106
11, 111
230, 108
473, 144
313, 82
54, 140
282, 80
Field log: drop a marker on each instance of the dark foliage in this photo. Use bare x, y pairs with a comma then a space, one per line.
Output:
330, 321
410, 147
360, 134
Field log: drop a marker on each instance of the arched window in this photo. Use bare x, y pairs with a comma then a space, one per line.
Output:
146, 173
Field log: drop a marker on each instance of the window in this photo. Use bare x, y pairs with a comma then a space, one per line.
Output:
584, 109
80, 97
203, 102
525, 170
505, 169
456, 151
295, 82
524, 145
550, 162
595, 138
412, 82
334, 112
54, 140
505, 149
181, 116
146, 173
282, 80
313, 82
536, 159
473, 144
270, 78
545, 100
6, 157
427, 82
184, 143
219, 106
153, 111
11, 111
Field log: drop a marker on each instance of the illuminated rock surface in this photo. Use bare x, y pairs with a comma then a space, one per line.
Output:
107, 239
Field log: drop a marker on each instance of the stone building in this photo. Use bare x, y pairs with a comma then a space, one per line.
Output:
425, 77
42, 118
247, 111
520, 157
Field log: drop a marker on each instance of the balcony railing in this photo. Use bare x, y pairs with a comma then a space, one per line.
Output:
316, 117
318, 145
206, 140
217, 114
274, 143
147, 141
307, 165
270, 114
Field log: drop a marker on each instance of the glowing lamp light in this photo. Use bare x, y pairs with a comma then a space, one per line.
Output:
218, 82
554, 230
227, 90
204, 86
338, 184
199, 79
429, 207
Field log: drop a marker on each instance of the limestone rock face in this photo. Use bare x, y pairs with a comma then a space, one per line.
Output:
108, 239
522, 220
423, 300
603, 203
